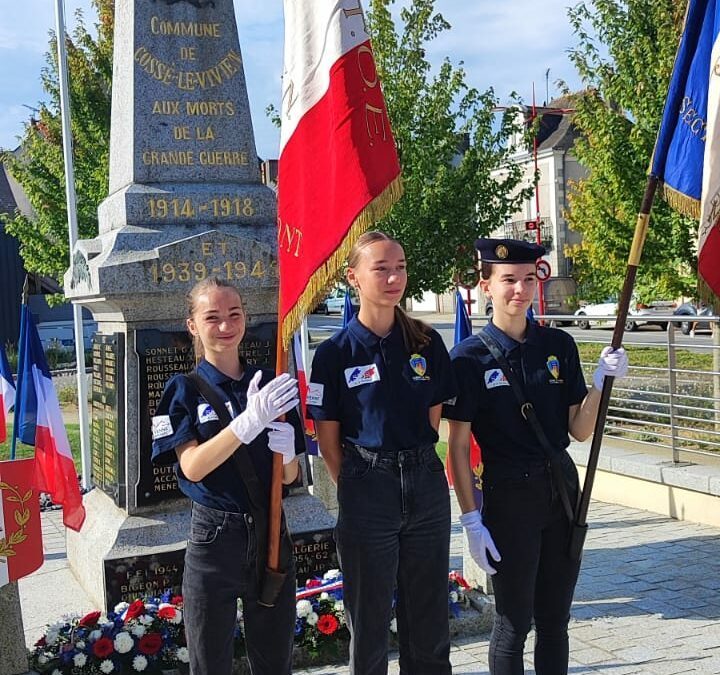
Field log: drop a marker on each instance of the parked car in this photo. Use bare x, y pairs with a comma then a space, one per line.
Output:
638, 315
335, 301
690, 309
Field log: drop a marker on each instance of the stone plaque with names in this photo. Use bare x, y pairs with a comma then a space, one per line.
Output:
107, 440
143, 576
162, 354
315, 553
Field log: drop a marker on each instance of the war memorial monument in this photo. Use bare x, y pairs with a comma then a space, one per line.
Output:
185, 202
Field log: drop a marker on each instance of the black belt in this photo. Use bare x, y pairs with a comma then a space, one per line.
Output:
404, 457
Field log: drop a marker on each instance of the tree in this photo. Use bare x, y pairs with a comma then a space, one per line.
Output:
38, 166
618, 114
451, 144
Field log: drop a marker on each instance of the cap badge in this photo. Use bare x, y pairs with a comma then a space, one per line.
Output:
501, 251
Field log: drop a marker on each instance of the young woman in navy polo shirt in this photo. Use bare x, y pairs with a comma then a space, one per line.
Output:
221, 555
521, 536
375, 393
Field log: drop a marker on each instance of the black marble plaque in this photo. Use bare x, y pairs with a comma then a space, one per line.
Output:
107, 438
161, 354
143, 576
315, 553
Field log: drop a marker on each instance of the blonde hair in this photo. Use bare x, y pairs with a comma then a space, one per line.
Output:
191, 298
416, 334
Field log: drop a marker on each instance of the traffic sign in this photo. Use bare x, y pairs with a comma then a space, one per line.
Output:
542, 269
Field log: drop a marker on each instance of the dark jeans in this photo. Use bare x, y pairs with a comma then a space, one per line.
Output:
393, 532
219, 569
535, 578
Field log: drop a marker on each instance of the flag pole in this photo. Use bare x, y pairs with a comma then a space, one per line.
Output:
73, 235
19, 384
641, 229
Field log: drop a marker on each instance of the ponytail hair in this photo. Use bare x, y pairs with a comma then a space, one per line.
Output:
416, 334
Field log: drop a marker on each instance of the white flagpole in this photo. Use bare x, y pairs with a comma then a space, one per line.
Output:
73, 235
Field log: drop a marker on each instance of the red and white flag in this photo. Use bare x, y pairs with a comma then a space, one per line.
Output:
21, 549
338, 171
7, 393
709, 231
39, 422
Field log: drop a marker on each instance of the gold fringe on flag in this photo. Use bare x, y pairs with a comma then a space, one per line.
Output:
707, 295
681, 203
328, 271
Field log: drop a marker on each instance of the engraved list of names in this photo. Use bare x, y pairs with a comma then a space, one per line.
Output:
107, 440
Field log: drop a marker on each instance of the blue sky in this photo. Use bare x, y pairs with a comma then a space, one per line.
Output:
506, 44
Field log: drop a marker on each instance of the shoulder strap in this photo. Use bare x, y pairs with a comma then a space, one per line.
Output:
528, 412
242, 461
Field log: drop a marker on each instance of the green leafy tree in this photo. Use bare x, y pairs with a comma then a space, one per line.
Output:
454, 149
38, 166
625, 54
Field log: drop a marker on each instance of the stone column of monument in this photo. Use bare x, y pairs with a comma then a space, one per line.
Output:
185, 202
13, 655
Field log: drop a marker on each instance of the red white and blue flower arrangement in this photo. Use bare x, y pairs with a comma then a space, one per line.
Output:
144, 636
149, 636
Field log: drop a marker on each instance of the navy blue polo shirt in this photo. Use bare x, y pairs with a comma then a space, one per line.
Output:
376, 389
549, 367
183, 415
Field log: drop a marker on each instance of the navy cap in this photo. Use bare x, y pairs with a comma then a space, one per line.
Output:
508, 251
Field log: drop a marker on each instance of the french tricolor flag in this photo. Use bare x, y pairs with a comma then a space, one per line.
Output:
38, 422
311, 444
7, 393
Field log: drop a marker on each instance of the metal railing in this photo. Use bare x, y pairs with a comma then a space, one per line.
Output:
674, 406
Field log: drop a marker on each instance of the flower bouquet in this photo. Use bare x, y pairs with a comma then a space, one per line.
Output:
144, 636
320, 628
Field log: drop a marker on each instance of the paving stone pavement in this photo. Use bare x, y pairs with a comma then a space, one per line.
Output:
647, 603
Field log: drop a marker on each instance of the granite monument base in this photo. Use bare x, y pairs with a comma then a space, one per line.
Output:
118, 558
109, 535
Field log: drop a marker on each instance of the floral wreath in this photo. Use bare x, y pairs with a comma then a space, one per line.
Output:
22, 517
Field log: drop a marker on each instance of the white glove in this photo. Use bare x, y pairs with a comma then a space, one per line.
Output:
281, 439
612, 363
479, 541
264, 405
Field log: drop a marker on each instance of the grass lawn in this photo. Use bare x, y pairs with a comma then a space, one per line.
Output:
651, 357
22, 450
441, 449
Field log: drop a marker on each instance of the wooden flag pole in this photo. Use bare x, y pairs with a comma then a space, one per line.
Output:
275, 518
641, 228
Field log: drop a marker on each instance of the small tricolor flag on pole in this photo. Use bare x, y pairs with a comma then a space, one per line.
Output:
39, 422
311, 445
7, 393
687, 152
338, 169
463, 329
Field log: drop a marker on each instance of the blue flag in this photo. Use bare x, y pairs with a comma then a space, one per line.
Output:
463, 327
687, 152
680, 148
348, 310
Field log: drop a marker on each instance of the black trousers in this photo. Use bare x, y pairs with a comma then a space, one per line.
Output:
220, 568
535, 579
393, 532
